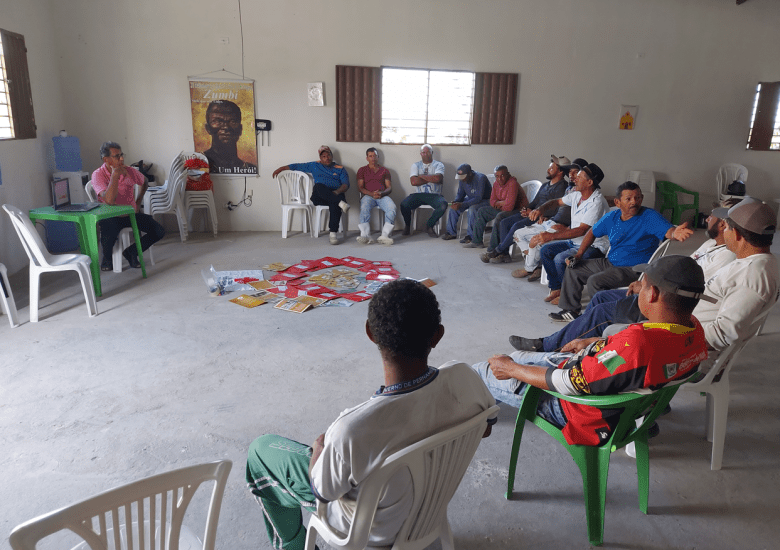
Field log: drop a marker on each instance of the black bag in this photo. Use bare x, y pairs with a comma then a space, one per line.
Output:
736, 188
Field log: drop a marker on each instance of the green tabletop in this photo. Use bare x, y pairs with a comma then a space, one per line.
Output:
86, 227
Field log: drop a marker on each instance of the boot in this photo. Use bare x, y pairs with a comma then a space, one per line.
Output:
365, 228
387, 230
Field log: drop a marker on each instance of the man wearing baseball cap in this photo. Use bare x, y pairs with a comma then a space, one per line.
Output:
473, 193
669, 346
745, 288
331, 181
554, 188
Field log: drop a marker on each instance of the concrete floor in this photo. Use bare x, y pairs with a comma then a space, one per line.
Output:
168, 376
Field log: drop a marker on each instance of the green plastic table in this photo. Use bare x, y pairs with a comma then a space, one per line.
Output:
86, 227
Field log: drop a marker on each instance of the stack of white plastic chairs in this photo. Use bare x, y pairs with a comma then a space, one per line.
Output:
169, 198
200, 199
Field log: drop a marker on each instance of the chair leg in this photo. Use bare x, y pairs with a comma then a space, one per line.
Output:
445, 534
311, 537
720, 413
285, 222
89, 290
510, 484
594, 467
642, 471
9, 304
35, 290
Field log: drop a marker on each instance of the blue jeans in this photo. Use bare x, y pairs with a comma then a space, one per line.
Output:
602, 311
554, 256
415, 200
385, 203
454, 216
512, 391
507, 229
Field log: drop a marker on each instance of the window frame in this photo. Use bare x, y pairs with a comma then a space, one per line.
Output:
764, 125
17, 84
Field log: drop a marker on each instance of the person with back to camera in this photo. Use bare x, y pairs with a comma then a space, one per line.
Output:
414, 402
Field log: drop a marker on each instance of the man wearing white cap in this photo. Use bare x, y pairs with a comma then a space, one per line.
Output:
427, 176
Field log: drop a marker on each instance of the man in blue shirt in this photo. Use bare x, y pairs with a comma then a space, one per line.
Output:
473, 193
330, 183
634, 233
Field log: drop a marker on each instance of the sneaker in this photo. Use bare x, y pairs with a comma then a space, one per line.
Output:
485, 257
535, 275
553, 295
520, 273
106, 265
132, 258
364, 240
344, 206
333, 238
431, 232
526, 344
385, 240
465, 240
474, 245
564, 316
448, 237
501, 259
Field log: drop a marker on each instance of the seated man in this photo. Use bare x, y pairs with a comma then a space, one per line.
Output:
634, 233
373, 181
331, 181
427, 176
114, 183
506, 198
668, 347
587, 207
741, 274
414, 402
473, 193
554, 188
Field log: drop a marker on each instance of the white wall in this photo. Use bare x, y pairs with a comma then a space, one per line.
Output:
691, 66
25, 163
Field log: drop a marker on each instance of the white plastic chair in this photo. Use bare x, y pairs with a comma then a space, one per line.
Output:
531, 188
123, 240
716, 385
144, 514
200, 199
169, 198
41, 261
726, 175
437, 465
7, 298
294, 195
439, 224
645, 179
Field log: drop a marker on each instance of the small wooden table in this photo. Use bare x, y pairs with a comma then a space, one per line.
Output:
86, 227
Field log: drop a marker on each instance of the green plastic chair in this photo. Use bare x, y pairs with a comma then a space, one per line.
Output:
669, 192
593, 462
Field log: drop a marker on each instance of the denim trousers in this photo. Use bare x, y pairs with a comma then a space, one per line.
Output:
415, 200
454, 216
386, 204
506, 231
554, 255
512, 391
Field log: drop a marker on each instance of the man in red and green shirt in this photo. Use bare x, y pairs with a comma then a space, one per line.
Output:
668, 346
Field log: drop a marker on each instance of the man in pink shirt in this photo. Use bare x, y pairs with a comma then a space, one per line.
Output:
114, 183
507, 198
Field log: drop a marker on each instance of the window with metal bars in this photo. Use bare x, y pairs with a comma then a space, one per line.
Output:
17, 119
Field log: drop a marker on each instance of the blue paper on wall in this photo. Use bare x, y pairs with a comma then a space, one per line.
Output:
67, 153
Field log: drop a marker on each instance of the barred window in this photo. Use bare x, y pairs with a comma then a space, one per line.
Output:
17, 119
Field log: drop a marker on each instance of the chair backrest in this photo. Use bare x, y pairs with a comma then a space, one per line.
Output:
437, 464
177, 164
728, 173
645, 179
90, 191
139, 510
531, 188
293, 187
31, 241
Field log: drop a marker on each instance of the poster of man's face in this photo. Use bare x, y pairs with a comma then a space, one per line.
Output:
223, 117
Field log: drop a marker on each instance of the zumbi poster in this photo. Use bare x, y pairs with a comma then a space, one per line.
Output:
223, 125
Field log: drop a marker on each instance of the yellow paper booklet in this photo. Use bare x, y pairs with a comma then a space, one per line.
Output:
292, 305
248, 301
